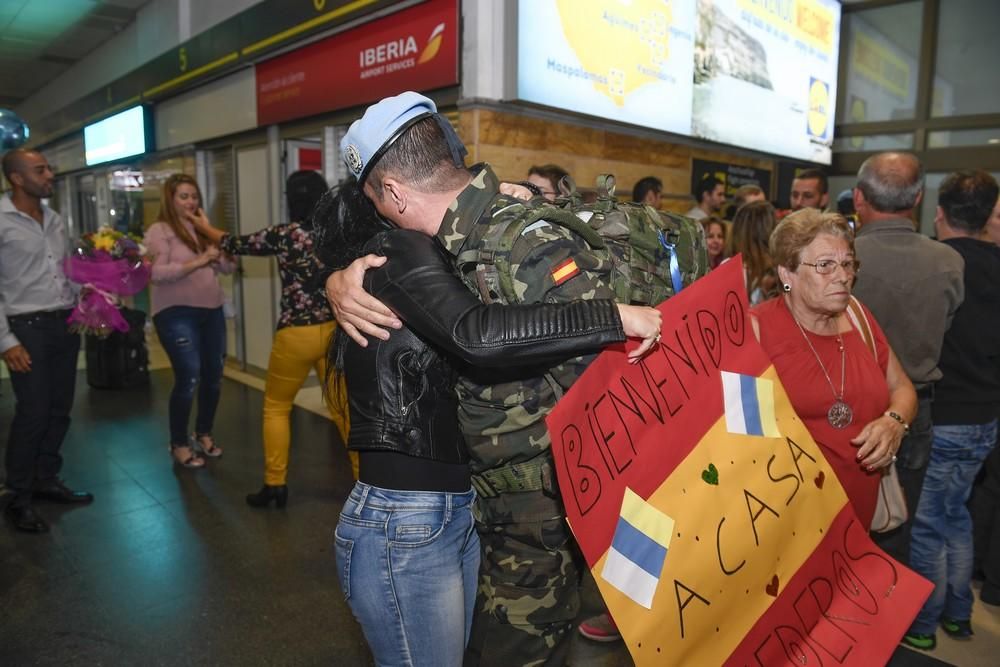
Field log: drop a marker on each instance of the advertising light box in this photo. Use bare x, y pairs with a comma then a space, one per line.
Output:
123, 135
758, 74
630, 62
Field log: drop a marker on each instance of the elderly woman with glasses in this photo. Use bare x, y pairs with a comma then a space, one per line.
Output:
843, 379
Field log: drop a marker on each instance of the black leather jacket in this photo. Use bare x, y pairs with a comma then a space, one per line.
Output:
401, 391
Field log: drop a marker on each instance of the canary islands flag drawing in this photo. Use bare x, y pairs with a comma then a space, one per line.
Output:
749, 405
716, 529
638, 549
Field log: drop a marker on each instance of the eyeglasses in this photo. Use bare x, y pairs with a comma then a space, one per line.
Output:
825, 267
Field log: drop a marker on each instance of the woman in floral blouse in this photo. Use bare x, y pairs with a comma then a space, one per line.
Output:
305, 326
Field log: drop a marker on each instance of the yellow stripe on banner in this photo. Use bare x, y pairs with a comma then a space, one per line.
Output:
560, 274
765, 404
307, 25
648, 520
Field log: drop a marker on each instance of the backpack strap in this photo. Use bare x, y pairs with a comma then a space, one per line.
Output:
859, 319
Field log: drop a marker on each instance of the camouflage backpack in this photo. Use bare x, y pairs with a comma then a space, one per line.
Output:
653, 254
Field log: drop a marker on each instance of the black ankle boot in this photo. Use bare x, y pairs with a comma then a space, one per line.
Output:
263, 498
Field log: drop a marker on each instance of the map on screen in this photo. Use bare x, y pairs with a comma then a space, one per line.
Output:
758, 74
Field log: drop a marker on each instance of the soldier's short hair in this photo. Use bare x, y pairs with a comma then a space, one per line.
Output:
421, 158
967, 199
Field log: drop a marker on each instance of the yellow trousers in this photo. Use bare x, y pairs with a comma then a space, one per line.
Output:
296, 351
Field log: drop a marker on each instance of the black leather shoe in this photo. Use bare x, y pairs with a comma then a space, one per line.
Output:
26, 520
55, 491
263, 498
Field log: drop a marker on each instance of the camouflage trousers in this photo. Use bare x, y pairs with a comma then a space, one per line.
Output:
529, 582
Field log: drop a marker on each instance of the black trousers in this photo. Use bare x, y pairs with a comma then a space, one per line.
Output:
44, 400
985, 508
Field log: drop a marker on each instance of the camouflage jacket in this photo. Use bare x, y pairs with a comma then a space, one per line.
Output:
502, 411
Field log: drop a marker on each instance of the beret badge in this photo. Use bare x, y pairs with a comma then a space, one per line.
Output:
353, 159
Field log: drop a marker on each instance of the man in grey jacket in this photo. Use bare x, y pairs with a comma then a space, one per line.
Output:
913, 285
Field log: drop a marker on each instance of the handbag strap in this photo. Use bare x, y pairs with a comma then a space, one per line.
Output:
859, 319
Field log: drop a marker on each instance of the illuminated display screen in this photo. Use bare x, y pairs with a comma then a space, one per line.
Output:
758, 74
120, 136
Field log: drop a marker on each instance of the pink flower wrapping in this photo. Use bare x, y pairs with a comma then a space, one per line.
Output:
109, 265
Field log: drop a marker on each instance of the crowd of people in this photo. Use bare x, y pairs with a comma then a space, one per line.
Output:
452, 547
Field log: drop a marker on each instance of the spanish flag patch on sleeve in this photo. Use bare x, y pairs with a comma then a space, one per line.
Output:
564, 271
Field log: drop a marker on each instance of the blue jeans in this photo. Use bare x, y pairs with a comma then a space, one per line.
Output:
195, 341
941, 536
408, 562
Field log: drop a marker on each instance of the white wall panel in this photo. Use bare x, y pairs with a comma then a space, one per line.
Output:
216, 109
259, 315
486, 26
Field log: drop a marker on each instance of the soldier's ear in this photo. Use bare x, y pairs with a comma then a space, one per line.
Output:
395, 193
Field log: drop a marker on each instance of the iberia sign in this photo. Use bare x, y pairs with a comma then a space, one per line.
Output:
415, 49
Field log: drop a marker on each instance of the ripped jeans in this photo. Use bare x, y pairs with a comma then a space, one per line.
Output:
195, 341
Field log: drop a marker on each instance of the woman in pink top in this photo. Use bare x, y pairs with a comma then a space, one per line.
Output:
187, 312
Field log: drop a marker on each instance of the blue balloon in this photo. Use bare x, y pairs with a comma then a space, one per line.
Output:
13, 130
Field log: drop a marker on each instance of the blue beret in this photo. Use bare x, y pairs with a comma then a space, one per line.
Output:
383, 123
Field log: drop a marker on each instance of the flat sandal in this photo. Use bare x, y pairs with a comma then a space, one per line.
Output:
192, 461
212, 450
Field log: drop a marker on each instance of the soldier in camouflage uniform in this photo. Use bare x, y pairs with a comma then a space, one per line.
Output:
531, 568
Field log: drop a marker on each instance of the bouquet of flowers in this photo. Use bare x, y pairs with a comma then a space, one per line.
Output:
109, 265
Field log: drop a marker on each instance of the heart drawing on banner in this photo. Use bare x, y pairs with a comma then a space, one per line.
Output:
820, 478
772, 588
711, 474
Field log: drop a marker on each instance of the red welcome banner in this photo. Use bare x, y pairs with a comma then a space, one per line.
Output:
415, 49
713, 525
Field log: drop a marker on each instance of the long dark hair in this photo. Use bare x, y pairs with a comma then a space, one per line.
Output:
752, 227
344, 221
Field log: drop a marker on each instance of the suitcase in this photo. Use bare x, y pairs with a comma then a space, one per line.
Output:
120, 361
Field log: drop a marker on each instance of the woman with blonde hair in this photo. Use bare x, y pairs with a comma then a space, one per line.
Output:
187, 313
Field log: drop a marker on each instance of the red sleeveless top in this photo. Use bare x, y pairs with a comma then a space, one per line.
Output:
866, 391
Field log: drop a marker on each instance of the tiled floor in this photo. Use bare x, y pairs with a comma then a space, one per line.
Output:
170, 567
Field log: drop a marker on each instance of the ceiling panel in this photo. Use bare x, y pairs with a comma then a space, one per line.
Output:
40, 39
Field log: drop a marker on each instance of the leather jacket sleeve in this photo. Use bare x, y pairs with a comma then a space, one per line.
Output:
419, 284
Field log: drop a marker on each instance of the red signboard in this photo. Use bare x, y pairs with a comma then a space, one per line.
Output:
415, 49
